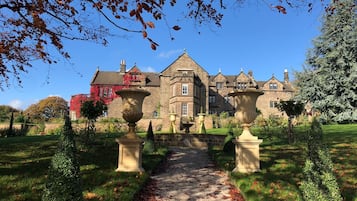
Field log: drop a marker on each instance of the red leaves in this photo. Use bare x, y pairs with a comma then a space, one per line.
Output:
281, 9
145, 34
153, 46
132, 13
150, 24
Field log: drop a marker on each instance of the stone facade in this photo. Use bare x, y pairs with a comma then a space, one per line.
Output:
186, 88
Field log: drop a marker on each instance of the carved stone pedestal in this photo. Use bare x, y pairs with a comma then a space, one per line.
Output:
247, 155
130, 155
247, 145
130, 145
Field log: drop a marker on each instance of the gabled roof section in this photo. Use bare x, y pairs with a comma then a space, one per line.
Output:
95, 75
219, 75
134, 69
287, 86
242, 77
184, 58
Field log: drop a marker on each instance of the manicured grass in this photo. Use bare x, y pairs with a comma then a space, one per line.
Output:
24, 163
282, 164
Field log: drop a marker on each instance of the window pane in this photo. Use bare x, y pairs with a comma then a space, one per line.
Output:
184, 109
212, 99
273, 86
184, 89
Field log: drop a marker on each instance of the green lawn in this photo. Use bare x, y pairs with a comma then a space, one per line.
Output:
281, 164
24, 163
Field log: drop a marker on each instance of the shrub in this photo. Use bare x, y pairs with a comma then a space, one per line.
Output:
150, 133
229, 146
55, 131
113, 127
320, 182
63, 182
149, 147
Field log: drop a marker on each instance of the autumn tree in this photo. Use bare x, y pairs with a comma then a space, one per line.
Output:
47, 109
328, 81
30, 29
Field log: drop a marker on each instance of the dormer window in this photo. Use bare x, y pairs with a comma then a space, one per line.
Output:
273, 86
219, 85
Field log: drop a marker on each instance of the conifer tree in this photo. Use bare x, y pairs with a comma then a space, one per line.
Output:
328, 81
63, 182
320, 182
149, 145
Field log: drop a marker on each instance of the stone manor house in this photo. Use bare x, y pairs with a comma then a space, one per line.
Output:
184, 87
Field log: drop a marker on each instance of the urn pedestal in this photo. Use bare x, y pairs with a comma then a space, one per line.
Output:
247, 145
130, 145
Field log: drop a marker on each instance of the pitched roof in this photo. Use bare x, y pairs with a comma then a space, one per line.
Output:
107, 78
152, 79
116, 78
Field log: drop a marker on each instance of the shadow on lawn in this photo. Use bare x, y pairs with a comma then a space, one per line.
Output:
22, 172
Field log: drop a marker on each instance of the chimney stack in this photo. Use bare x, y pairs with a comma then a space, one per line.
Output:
122, 66
286, 76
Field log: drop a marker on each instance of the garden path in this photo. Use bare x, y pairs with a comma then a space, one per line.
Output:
190, 175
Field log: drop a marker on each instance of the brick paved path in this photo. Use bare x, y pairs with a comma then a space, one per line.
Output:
189, 175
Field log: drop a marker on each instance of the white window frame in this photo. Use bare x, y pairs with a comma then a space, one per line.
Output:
184, 89
212, 99
273, 85
219, 85
273, 104
184, 109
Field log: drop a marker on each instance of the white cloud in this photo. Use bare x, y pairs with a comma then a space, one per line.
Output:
149, 69
170, 53
16, 104
52, 95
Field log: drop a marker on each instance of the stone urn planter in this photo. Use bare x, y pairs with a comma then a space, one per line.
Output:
130, 145
247, 145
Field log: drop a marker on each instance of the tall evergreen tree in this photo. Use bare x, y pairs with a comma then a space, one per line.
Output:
63, 177
328, 81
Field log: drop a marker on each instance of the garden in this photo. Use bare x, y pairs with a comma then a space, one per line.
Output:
25, 160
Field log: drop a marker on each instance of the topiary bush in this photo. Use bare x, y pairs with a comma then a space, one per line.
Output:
63, 181
229, 146
319, 180
149, 146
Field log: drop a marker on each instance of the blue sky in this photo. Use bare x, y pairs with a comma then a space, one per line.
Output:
252, 37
